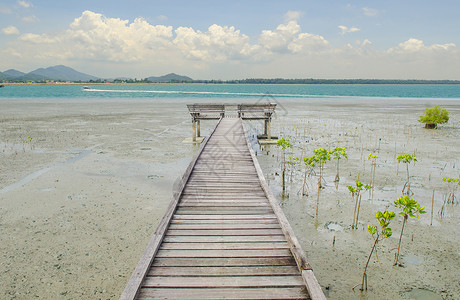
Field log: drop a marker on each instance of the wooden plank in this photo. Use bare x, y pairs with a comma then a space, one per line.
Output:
313, 287
224, 221
216, 282
224, 293
224, 253
240, 245
222, 202
190, 211
221, 232
226, 262
224, 239
225, 226
224, 271
225, 217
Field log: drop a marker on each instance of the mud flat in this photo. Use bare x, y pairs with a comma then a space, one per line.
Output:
387, 128
81, 198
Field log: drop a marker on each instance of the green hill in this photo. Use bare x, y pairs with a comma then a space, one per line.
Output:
169, 77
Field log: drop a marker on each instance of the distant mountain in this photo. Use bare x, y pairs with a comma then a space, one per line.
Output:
169, 77
61, 73
12, 73
3, 76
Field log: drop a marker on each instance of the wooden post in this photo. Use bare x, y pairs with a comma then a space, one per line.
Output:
194, 130
269, 134
198, 133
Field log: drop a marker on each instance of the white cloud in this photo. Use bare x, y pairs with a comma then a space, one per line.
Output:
97, 37
112, 44
345, 29
10, 30
37, 38
278, 40
292, 15
217, 44
309, 43
370, 12
24, 4
5, 9
30, 19
413, 45
162, 18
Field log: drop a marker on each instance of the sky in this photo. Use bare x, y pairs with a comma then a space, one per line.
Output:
236, 39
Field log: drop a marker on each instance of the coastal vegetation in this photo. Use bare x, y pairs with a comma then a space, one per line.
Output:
434, 116
410, 208
406, 159
379, 233
356, 195
66, 74
284, 144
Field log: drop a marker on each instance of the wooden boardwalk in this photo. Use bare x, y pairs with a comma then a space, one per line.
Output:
223, 236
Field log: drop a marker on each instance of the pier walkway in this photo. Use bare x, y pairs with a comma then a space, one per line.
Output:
223, 236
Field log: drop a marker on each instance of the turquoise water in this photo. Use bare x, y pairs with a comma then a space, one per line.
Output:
431, 91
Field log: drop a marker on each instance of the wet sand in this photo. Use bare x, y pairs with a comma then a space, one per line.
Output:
430, 254
80, 200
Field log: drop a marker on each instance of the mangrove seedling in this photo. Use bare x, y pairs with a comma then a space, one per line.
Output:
338, 153
410, 208
373, 159
384, 219
284, 144
452, 184
407, 159
292, 161
434, 116
355, 194
322, 156
310, 163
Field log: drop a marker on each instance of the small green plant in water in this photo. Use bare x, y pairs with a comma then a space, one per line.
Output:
406, 159
434, 116
284, 144
338, 153
355, 194
452, 184
30, 142
384, 219
292, 161
410, 208
373, 158
310, 163
322, 156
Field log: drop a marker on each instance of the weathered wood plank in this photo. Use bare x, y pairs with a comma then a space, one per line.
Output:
221, 232
224, 253
224, 271
225, 217
224, 239
221, 203
216, 282
224, 293
224, 221
225, 226
227, 246
226, 262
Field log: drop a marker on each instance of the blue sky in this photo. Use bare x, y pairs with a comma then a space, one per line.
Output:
235, 39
